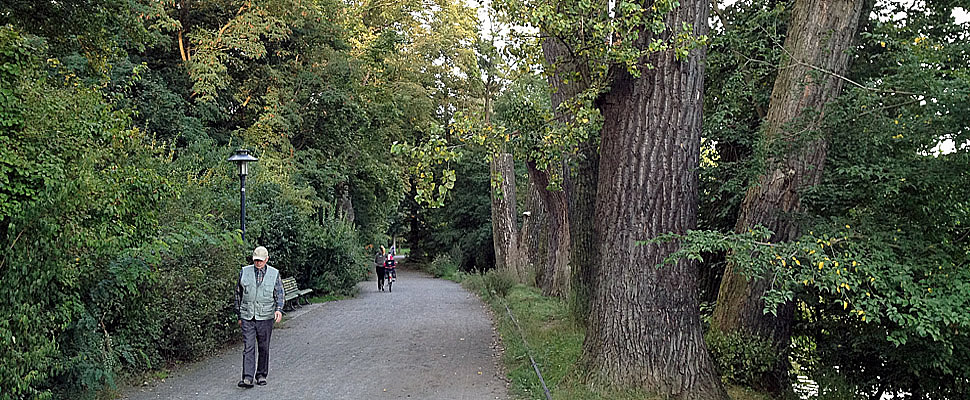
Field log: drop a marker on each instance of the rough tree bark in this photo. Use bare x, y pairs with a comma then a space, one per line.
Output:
561, 279
644, 326
820, 34
554, 276
532, 237
346, 204
581, 191
505, 230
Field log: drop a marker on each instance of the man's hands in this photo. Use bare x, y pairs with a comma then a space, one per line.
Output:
278, 317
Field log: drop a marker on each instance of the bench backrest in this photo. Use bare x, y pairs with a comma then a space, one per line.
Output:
289, 285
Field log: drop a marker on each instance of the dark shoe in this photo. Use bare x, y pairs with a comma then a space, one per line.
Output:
246, 383
261, 381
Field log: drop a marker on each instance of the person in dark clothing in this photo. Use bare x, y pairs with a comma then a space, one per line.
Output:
379, 261
390, 271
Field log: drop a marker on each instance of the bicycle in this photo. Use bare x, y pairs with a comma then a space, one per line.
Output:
390, 272
391, 275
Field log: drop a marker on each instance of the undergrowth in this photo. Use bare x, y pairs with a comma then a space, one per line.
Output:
554, 341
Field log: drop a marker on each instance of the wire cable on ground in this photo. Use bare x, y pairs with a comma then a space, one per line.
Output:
529, 352
518, 328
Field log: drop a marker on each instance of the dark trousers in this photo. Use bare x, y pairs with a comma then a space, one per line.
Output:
380, 277
256, 337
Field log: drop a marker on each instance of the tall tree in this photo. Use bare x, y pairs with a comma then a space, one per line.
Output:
505, 230
532, 237
632, 75
567, 78
581, 192
522, 109
811, 76
644, 326
554, 274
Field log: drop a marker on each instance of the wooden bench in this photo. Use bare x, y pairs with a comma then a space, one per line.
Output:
292, 292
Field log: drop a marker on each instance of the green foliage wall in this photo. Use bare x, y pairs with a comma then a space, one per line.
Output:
90, 264
464, 223
880, 282
117, 204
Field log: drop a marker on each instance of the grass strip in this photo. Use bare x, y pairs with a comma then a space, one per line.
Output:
548, 337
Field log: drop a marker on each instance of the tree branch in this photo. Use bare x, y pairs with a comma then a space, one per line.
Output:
720, 15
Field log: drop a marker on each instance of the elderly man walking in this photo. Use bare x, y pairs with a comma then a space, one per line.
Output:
259, 302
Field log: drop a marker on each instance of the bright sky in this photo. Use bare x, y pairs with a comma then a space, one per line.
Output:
960, 14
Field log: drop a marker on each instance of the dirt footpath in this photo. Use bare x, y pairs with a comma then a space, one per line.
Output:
429, 339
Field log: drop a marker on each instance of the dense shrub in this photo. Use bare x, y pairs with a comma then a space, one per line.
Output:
739, 359
306, 240
463, 226
122, 259
499, 282
195, 296
443, 266
336, 261
68, 275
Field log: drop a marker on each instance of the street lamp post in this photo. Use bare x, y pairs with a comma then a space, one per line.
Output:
242, 158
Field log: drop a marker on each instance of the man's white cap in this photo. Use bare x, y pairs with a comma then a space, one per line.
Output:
260, 254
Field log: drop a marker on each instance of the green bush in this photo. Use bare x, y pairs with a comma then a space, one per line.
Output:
743, 360
475, 283
336, 261
499, 282
196, 281
443, 266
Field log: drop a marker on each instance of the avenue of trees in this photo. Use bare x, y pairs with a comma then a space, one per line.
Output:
723, 192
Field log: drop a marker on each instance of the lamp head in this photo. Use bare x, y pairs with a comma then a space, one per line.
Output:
242, 158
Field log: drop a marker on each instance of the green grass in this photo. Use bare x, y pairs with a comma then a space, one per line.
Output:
556, 343
453, 275
554, 340
743, 393
326, 298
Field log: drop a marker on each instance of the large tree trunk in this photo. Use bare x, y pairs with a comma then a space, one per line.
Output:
555, 276
505, 230
346, 204
644, 327
532, 237
560, 205
581, 190
819, 37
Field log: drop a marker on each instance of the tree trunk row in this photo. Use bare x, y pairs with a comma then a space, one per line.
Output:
505, 230
555, 270
643, 326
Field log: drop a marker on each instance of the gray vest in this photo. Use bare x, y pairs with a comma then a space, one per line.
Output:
257, 300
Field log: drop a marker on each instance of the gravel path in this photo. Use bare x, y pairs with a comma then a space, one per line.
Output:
429, 339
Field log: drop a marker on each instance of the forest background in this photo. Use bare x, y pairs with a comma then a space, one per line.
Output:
471, 142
